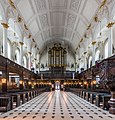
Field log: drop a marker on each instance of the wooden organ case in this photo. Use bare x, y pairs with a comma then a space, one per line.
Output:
57, 59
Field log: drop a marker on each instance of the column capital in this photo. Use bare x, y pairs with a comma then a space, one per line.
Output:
5, 25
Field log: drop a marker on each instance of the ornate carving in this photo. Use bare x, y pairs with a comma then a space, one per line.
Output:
25, 27
19, 19
81, 40
89, 26
41, 4
33, 40
21, 43
94, 42
103, 3
44, 20
71, 21
85, 53
74, 5
5, 25
30, 53
110, 24
12, 4
29, 36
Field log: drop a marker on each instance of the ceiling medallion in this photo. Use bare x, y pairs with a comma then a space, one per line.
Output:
110, 24
5, 25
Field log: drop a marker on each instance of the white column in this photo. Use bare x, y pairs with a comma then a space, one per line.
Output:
34, 60
85, 63
93, 55
21, 53
29, 61
5, 41
110, 41
38, 59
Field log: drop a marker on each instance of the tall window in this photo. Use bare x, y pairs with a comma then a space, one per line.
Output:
97, 55
106, 48
17, 56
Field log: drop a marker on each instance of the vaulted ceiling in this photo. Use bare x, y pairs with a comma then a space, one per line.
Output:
64, 20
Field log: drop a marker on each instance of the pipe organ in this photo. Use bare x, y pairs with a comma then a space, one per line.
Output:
57, 56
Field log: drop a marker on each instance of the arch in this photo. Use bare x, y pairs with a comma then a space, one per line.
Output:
106, 49
17, 55
97, 54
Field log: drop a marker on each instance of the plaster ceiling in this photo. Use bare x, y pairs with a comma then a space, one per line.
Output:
66, 20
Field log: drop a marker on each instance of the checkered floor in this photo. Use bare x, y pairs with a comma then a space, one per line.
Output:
57, 105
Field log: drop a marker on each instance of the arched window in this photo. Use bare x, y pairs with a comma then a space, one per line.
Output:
106, 48
90, 62
17, 56
9, 50
25, 61
97, 55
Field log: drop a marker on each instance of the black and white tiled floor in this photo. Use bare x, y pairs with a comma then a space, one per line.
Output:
57, 105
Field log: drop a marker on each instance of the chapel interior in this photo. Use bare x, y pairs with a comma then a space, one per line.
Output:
57, 59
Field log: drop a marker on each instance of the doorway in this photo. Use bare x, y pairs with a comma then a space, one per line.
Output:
57, 85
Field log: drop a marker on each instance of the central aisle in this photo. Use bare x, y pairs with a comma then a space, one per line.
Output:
57, 105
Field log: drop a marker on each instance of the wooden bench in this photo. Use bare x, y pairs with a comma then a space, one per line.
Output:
4, 104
